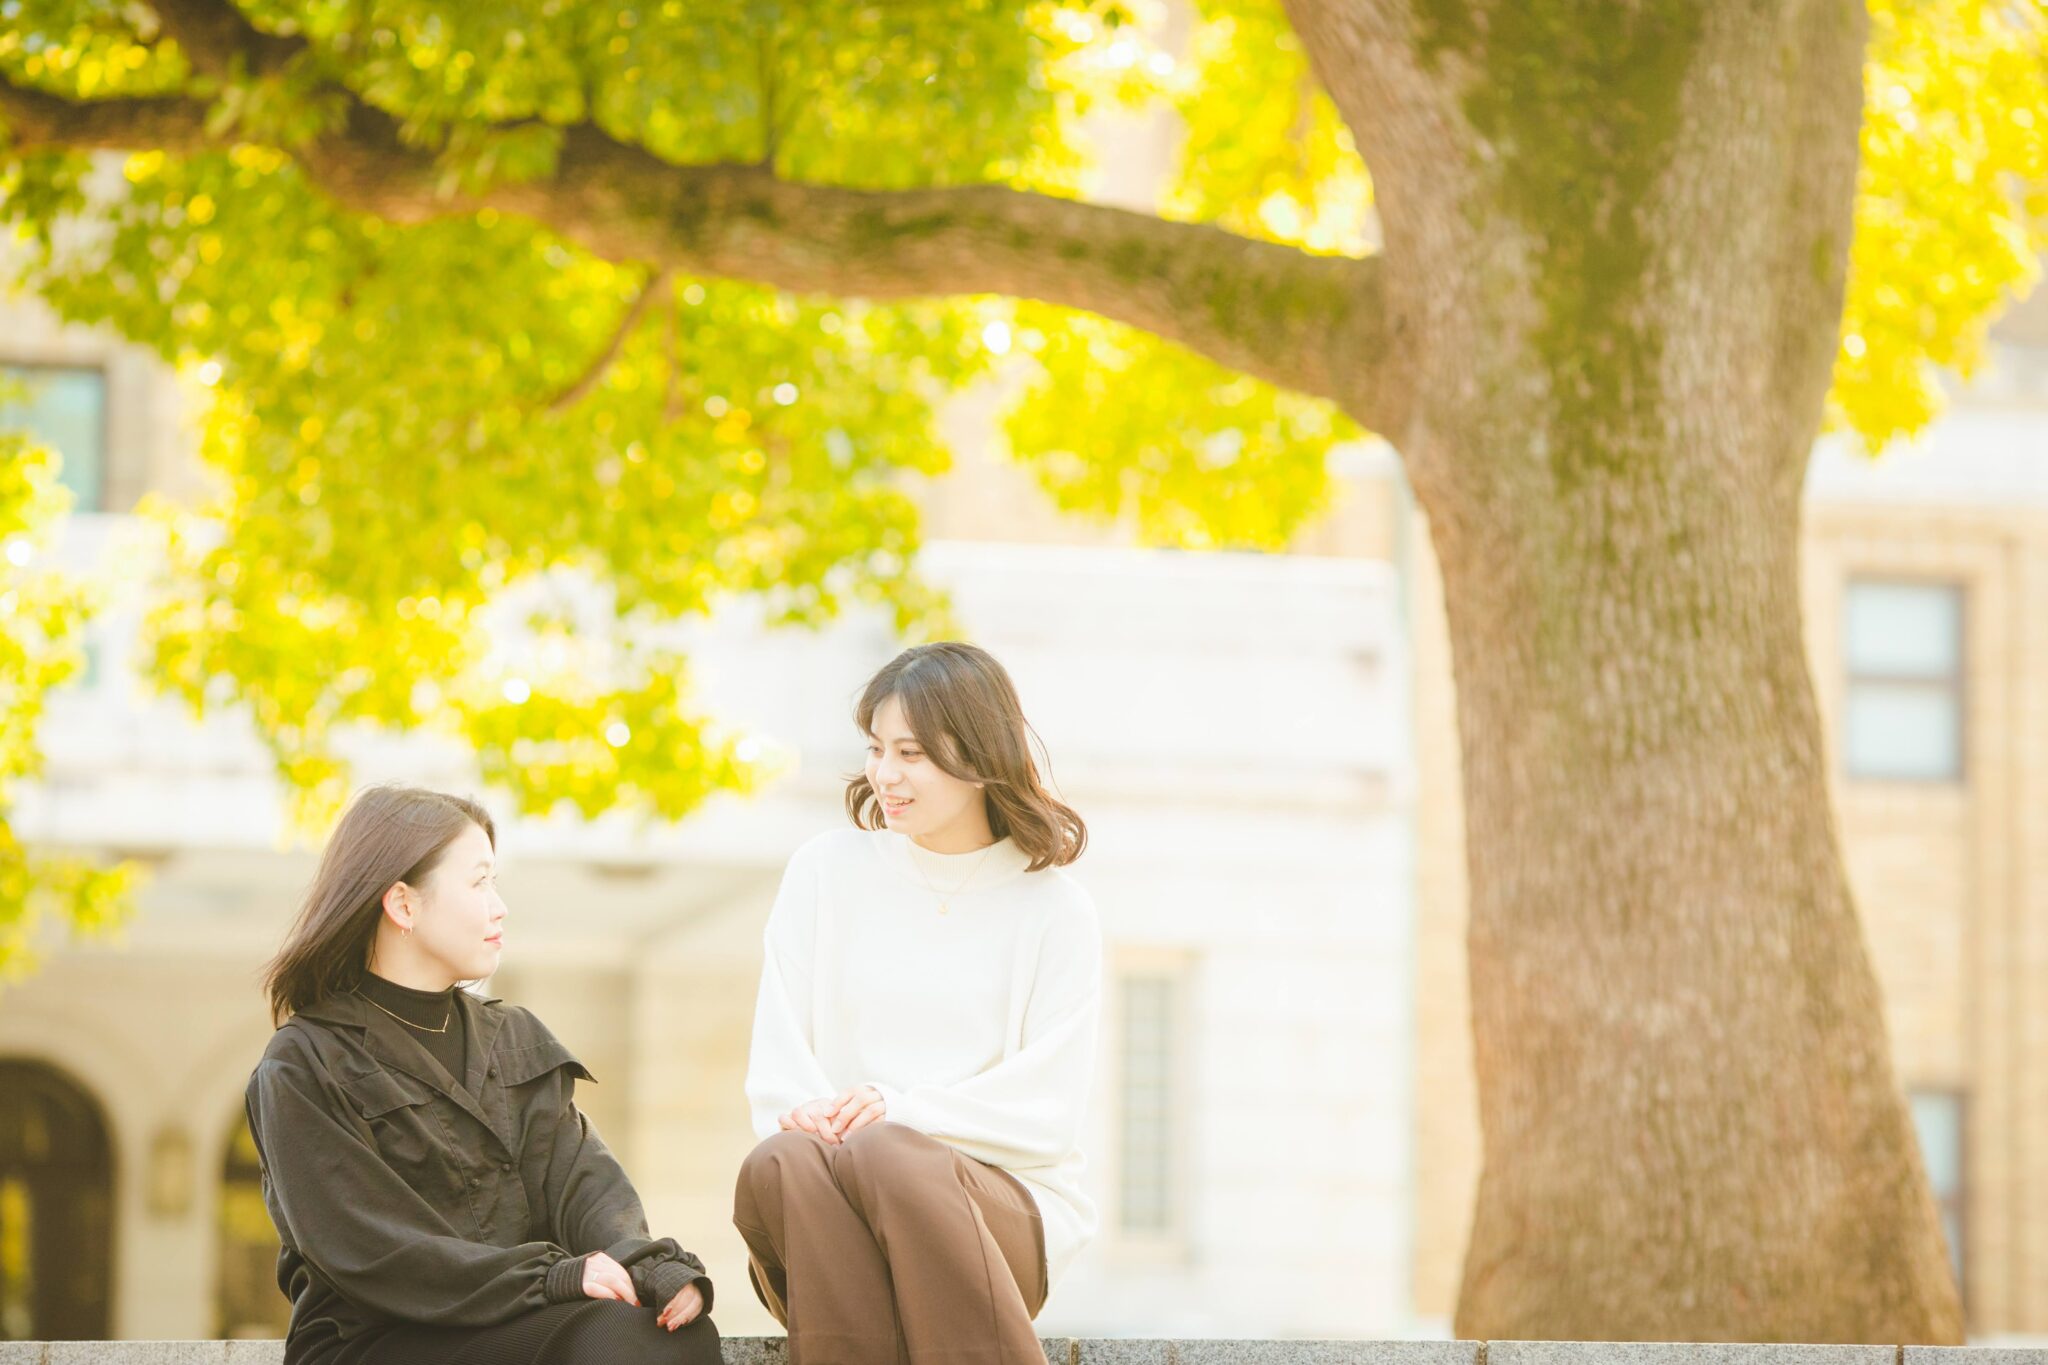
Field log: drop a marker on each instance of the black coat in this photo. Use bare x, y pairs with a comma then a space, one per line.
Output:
403, 1196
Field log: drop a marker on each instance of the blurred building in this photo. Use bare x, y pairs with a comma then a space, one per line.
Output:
1233, 727
1926, 595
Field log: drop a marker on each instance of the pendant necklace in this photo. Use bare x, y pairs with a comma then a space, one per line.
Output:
944, 897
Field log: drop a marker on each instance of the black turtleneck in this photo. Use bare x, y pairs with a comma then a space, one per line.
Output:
421, 1013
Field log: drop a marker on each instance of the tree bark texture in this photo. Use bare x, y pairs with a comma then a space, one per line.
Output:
1618, 234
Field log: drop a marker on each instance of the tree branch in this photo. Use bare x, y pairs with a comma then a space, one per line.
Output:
38, 119
213, 34
1317, 324
585, 382
1312, 323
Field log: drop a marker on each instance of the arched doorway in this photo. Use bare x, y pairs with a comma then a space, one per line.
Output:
248, 1302
56, 1208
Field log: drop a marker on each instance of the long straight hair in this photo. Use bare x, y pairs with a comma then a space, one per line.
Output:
964, 710
388, 835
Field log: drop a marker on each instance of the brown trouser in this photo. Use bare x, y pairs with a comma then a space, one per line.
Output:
892, 1247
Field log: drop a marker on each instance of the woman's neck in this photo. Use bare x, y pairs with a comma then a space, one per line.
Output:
419, 989
962, 836
400, 963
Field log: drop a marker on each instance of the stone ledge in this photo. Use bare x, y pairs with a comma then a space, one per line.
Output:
769, 1351
1147, 1351
1684, 1353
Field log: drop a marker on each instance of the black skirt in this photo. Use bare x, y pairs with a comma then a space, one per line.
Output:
590, 1332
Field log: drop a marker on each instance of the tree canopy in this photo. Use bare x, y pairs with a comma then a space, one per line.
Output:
483, 446
41, 617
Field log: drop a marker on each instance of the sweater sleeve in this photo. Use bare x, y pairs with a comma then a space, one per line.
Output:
783, 1070
1026, 1110
365, 1230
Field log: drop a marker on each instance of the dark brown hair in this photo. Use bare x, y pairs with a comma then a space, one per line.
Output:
963, 708
388, 835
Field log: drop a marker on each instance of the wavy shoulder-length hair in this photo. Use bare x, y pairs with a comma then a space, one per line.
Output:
964, 710
386, 836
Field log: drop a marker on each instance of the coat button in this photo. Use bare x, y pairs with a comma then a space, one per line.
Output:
504, 1165
474, 1182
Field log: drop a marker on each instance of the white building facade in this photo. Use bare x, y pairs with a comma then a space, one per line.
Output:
1232, 727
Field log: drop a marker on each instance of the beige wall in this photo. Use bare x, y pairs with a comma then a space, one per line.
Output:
184, 1075
1951, 880
693, 1015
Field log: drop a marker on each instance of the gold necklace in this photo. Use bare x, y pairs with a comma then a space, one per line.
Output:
943, 896
409, 1023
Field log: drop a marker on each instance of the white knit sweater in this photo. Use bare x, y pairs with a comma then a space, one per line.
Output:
977, 1024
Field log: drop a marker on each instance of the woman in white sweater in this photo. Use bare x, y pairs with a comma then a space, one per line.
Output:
923, 1041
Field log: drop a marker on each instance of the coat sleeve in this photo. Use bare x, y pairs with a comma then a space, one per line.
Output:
1026, 1110
593, 1207
366, 1231
783, 1070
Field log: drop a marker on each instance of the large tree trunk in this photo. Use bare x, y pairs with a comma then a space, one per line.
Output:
1617, 235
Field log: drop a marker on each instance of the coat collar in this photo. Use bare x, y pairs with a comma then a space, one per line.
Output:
388, 1042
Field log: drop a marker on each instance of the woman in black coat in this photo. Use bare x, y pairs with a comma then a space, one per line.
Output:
439, 1196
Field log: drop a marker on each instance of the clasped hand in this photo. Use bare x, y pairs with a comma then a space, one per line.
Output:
833, 1121
605, 1278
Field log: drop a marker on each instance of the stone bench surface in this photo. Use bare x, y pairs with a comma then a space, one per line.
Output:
1151, 1351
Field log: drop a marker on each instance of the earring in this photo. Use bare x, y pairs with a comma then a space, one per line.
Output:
405, 931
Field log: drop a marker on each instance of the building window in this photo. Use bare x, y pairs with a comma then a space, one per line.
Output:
56, 1208
63, 407
1938, 1123
248, 1302
1152, 1101
1903, 717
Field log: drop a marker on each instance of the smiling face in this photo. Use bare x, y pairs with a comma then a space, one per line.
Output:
944, 813
456, 916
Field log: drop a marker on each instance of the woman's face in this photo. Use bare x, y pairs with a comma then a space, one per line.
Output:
918, 798
458, 920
